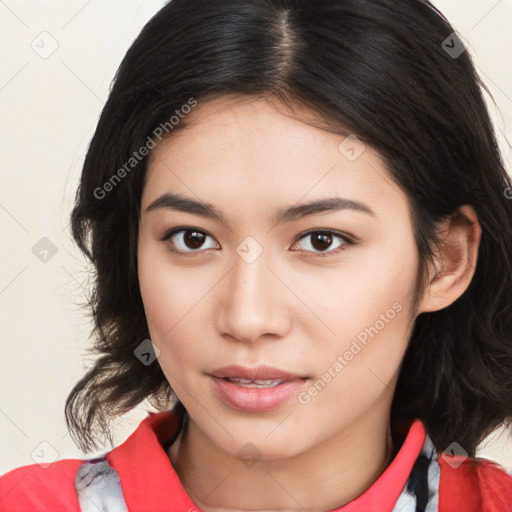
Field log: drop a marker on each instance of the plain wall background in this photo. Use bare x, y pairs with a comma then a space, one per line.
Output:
49, 107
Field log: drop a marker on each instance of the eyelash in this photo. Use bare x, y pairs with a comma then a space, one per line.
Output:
348, 242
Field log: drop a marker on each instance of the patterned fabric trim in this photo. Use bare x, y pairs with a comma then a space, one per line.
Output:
98, 487
421, 492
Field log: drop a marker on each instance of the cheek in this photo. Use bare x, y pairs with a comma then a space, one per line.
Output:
158, 288
364, 311
173, 299
365, 285
163, 309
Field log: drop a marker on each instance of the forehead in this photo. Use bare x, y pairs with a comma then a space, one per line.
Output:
235, 126
253, 151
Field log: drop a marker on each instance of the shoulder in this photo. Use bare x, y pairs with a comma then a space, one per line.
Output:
477, 483
37, 488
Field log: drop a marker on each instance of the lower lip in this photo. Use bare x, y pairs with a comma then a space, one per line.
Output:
255, 399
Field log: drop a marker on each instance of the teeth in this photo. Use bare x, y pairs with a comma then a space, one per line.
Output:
255, 383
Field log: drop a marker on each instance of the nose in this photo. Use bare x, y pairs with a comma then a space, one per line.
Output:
254, 301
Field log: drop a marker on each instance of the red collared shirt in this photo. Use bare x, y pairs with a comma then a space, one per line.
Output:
150, 484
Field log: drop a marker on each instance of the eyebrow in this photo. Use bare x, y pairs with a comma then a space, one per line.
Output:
179, 202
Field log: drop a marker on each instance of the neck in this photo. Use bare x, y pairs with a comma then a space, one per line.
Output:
325, 477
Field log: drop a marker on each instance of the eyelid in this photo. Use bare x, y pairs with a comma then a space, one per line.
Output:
349, 240
173, 231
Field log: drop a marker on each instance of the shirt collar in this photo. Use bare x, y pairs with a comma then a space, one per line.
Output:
148, 478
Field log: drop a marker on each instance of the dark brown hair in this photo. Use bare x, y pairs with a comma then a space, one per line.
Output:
382, 69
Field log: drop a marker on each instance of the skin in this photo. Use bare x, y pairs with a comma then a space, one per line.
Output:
289, 308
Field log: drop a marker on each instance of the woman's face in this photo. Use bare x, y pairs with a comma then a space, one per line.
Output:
324, 294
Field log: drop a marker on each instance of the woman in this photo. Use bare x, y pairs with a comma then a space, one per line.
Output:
301, 232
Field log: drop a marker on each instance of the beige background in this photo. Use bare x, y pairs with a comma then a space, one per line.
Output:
49, 106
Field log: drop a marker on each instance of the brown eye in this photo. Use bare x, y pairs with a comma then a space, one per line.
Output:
187, 241
321, 242
193, 239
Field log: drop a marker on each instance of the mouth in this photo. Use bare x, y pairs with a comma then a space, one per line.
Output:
260, 374
258, 383
255, 390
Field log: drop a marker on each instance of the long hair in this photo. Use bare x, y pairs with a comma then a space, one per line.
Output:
394, 74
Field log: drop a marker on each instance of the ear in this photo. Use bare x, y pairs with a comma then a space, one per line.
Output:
455, 260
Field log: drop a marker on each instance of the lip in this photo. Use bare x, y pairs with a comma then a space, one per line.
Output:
255, 399
262, 372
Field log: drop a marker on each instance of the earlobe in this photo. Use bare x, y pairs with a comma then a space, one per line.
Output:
455, 260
